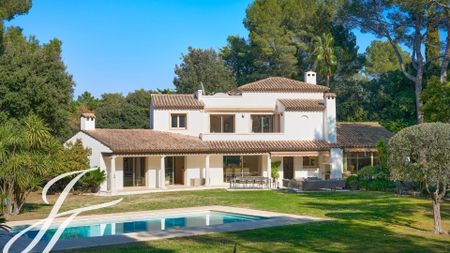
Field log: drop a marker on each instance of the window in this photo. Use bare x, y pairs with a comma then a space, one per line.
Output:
262, 123
358, 160
178, 121
221, 123
310, 161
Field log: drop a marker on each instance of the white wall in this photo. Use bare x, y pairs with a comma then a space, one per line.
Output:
303, 125
96, 158
152, 163
254, 100
215, 170
293, 125
195, 121
194, 165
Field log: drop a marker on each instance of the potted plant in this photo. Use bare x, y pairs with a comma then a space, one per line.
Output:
275, 172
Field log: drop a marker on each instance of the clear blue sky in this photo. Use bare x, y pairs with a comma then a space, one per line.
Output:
124, 45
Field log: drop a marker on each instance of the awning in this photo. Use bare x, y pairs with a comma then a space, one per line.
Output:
300, 153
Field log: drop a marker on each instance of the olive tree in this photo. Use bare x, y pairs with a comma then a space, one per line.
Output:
421, 153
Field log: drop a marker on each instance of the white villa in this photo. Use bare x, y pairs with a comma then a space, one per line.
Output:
198, 140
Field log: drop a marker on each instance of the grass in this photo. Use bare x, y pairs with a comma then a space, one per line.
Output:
364, 222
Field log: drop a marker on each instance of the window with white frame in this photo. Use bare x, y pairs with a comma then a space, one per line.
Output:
178, 121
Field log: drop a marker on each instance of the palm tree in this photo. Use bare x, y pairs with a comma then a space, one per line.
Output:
27, 153
324, 56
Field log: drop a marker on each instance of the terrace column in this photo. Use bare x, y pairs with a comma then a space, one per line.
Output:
162, 173
269, 166
337, 165
206, 170
112, 176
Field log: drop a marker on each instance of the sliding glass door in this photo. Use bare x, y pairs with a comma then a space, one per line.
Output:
236, 166
133, 171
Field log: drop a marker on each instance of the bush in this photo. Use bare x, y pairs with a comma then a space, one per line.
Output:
91, 181
352, 182
373, 178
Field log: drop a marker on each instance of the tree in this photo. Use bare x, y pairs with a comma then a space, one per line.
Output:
116, 111
137, 111
325, 60
33, 79
240, 57
88, 100
280, 40
381, 58
203, 66
28, 153
436, 98
432, 42
273, 41
350, 98
421, 153
111, 111
403, 22
350, 62
8, 10
390, 100
73, 157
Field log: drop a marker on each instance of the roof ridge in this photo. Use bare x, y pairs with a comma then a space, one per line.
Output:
172, 94
359, 123
280, 84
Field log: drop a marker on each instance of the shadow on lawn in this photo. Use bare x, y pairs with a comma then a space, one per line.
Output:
320, 237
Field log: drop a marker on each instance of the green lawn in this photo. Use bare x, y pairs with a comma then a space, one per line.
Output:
364, 222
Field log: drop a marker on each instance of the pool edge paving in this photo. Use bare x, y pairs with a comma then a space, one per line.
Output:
273, 219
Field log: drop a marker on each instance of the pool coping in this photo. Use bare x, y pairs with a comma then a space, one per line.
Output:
274, 219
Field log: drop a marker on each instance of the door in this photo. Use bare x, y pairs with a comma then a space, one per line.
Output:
288, 167
133, 171
179, 169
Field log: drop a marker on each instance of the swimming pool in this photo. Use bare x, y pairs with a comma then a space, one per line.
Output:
142, 224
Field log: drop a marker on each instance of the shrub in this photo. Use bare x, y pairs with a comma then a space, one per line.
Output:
91, 181
372, 178
351, 182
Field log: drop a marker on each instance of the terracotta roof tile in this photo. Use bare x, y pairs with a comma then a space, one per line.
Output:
361, 134
280, 84
267, 146
306, 105
176, 101
140, 141
85, 112
147, 141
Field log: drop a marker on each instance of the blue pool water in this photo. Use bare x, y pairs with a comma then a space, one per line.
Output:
105, 228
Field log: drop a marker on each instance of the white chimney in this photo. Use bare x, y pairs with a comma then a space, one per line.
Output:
199, 92
310, 77
87, 121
